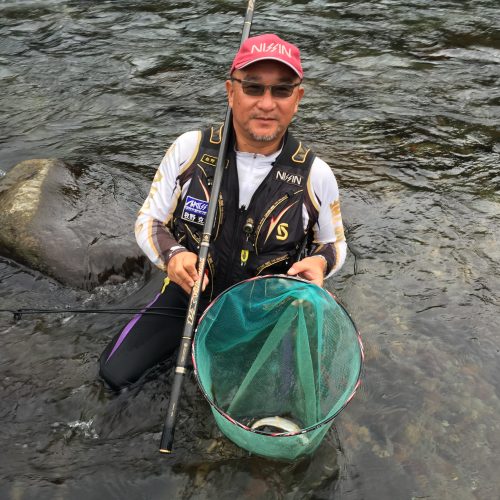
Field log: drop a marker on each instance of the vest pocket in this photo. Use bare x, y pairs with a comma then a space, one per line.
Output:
282, 225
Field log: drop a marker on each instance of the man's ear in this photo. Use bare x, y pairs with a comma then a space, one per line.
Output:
300, 95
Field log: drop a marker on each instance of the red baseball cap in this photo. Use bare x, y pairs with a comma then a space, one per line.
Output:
268, 47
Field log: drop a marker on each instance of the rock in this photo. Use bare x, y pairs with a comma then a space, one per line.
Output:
75, 224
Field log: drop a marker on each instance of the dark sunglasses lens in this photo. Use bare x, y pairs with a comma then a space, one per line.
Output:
255, 89
282, 90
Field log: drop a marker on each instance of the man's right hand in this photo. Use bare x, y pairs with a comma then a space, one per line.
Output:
182, 270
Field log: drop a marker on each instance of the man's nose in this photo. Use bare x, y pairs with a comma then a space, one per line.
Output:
267, 100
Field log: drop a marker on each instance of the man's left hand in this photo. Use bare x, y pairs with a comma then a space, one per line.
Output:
311, 268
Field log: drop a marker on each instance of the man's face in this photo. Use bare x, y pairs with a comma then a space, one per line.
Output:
261, 121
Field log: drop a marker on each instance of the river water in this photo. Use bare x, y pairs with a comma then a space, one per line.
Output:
403, 101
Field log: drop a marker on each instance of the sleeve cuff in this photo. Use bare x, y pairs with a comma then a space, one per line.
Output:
328, 253
171, 252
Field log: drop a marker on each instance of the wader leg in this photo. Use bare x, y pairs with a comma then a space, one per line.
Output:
146, 340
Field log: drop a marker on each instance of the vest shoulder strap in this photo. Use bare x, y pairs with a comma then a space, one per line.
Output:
295, 154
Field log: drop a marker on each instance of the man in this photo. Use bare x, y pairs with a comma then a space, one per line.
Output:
277, 198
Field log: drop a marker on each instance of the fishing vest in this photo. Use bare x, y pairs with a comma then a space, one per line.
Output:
264, 238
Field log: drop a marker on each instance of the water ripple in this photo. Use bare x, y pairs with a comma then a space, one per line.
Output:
402, 99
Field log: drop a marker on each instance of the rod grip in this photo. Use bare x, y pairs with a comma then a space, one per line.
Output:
167, 436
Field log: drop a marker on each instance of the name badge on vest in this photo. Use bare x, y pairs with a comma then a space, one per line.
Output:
195, 210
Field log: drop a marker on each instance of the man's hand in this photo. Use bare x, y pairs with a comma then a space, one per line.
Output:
182, 270
311, 268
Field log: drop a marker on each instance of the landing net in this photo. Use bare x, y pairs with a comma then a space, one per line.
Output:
280, 349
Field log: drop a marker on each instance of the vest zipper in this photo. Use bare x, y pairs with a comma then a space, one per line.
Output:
211, 272
237, 242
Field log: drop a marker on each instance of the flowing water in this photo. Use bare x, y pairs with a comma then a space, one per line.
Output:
403, 101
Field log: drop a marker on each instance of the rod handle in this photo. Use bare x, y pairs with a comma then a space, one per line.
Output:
167, 436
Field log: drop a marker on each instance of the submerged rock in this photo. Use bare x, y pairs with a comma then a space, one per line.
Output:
72, 223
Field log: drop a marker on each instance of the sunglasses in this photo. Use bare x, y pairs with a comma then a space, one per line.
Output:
255, 89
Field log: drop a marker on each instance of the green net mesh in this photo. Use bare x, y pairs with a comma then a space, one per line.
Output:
277, 347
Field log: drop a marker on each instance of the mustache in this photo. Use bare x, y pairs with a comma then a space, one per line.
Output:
263, 117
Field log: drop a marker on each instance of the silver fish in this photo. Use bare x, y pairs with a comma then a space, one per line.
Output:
277, 422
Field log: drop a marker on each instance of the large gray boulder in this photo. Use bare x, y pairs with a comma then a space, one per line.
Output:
71, 223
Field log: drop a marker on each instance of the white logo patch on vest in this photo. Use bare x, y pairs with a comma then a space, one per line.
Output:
195, 210
289, 178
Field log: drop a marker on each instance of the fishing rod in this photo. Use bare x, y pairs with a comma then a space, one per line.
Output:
152, 311
167, 437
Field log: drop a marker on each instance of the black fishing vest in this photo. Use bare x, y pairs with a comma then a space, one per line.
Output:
264, 238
